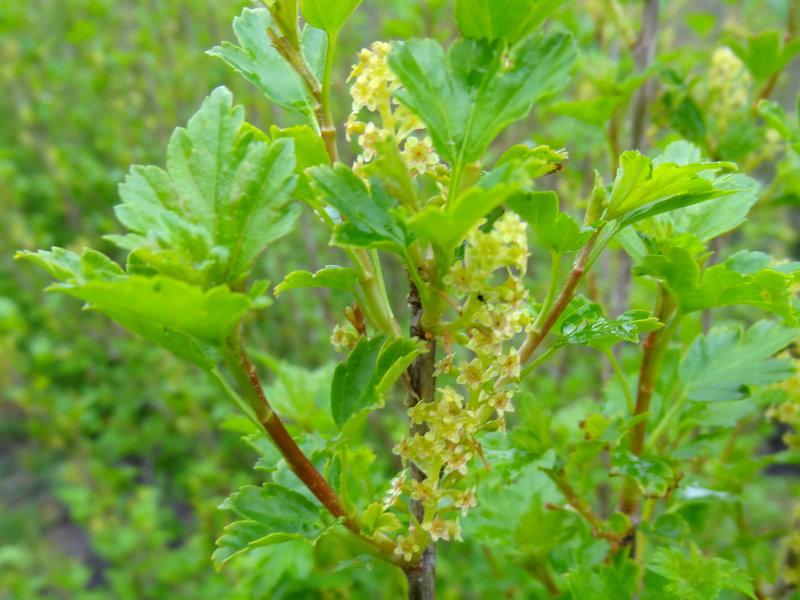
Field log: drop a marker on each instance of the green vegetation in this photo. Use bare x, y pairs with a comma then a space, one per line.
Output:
469, 298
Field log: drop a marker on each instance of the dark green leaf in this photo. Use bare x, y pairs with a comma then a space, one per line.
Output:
360, 382
370, 222
588, 327
721, 284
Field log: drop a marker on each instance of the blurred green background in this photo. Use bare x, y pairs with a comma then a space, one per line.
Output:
115, 455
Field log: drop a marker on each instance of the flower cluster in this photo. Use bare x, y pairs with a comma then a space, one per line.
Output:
788, 412
444, 439
729, 84
372, 92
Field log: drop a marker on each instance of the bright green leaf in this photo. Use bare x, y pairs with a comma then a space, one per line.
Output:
261, 64
309, 152
509, 19
723, 363
614, 581
556, 230
469, 95
536, 162
180, 317
224, 198
329, 15
642, 183
765, 53
698, 577
653, 475
269, 514
446, 226
337, 278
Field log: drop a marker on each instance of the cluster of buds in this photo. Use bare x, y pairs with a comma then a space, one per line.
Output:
372, 93
729, 85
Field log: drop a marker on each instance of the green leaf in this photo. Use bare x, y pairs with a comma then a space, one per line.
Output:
536, 162
643, 184
588, 327
360, 382
261, 64
720, 285
469, 95
697, 577
329, 15
556, 230
723, 363
224, 198
509, 19
369, 220
708, 220
270, 514
337, 278
653, 475
776, 117
180, 317
446, 226
614, 581
309, 152
765, 53
392, 171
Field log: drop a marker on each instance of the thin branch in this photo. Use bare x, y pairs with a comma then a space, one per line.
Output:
246, 376
540, 331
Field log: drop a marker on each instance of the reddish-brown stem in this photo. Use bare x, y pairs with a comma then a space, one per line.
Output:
540, 330
581, 506
247, 377
654, 349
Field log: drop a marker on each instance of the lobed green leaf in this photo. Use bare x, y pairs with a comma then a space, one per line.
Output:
467, 96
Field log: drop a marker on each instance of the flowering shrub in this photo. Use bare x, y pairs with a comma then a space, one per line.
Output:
433, 188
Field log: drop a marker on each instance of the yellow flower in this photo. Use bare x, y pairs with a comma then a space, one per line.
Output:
419, 155
439, 529
369, 141
407, 546
472, 374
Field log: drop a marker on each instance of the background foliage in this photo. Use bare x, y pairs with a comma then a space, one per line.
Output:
112, 467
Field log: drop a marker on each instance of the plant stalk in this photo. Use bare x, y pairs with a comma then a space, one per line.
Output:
655, 347
545, 323
422, 576
246, 376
